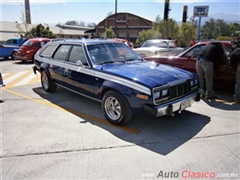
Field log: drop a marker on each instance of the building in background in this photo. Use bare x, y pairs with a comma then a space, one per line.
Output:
127, 25
9, 30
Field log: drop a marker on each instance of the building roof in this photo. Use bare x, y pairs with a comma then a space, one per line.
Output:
9, 29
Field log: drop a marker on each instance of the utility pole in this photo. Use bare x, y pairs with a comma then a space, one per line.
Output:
27, 12
166, 10
184, 18
115, 18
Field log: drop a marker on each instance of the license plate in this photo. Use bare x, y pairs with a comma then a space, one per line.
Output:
186, 103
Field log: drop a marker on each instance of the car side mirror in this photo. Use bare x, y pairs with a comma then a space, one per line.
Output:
79, 63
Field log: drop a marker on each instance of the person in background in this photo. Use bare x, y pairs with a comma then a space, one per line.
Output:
21, 40
235, 63
211, 55
192, 42
176, 42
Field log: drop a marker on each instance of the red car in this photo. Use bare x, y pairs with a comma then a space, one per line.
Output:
224, 75
29, 48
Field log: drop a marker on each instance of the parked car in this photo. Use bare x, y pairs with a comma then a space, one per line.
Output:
224, 76
9, 48
29, 48
111, 73
158, 47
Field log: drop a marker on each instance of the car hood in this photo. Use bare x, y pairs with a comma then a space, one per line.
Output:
147, 73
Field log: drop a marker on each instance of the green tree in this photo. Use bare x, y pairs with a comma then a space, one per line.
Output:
93, 25
72, 23
146, 35
40, 31
217, 29
186, 33
108, 33
165, 28
160, 29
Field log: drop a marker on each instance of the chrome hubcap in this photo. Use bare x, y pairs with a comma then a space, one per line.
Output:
112, 108
45, 82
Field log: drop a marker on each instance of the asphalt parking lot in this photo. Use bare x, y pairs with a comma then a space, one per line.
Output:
65, 136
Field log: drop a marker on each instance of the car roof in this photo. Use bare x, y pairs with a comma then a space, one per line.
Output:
227, 44
83, 41
39, 39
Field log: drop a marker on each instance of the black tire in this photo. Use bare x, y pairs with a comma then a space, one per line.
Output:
47, 83
12, 55
116, 108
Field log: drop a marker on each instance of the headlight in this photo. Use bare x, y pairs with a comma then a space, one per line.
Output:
156, 95
165, 93
193, 82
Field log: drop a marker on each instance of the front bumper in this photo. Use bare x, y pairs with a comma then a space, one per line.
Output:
171, 107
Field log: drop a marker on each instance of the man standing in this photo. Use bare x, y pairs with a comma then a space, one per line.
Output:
211, 55
21, 40
235, 63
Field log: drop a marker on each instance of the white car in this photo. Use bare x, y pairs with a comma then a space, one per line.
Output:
158, 47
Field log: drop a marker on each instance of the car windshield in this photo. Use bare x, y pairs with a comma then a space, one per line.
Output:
28, 43
111, 53
158, 43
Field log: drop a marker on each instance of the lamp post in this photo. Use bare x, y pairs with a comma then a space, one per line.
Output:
116, 18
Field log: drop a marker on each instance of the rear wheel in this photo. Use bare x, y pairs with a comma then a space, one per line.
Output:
116, 108
12, 55
47, 83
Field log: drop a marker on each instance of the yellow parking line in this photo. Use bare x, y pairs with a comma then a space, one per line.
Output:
36, 79
8, 75
15, 81
224, 101
82, 115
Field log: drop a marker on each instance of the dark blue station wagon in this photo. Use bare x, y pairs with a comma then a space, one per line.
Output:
112, 73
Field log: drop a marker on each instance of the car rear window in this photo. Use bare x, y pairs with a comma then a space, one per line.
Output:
28, 43
11, 41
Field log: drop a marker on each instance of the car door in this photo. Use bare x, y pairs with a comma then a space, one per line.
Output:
226, 75
79, 76
187, 60
58, 63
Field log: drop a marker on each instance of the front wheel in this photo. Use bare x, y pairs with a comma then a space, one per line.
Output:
47, 83
116, 108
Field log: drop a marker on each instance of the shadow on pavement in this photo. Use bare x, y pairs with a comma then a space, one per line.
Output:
224, 101
161, 135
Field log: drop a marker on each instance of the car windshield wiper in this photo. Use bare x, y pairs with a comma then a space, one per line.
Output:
132, 59
108, 62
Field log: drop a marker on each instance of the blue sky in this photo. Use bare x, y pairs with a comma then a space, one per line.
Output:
54, 11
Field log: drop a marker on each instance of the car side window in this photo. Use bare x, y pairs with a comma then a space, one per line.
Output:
77, 54
194, 52
11, 41
62, 52
48, 50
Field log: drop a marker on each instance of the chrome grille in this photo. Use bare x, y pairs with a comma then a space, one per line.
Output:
175, 91
179, 90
